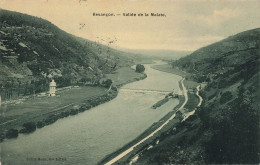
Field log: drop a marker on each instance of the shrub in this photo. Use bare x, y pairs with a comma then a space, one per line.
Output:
28, 127
73, 112
225, 97
65, 114
84, 107
40, 124
50, 119
107, 83
2, 136
140, 68
12, 133
114, 88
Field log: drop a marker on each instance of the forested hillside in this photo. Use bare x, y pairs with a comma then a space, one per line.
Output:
33, 51
225, 129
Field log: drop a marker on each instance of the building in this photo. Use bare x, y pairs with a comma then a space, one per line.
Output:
52, 88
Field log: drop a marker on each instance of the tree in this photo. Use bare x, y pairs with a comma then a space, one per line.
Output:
12, 133
107, 83
140, 68
28, 127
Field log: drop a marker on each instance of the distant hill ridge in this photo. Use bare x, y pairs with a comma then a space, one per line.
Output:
160, 54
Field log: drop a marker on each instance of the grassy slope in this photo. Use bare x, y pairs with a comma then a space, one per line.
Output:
226, 128
40, 46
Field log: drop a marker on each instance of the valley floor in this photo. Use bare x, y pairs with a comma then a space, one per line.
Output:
44, 110
190, 100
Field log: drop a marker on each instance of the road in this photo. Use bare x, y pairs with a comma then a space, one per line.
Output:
154, 132
197, 93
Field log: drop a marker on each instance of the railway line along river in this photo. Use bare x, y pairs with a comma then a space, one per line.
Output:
88, 137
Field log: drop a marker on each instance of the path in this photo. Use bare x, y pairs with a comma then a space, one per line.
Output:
197, 93
8, 121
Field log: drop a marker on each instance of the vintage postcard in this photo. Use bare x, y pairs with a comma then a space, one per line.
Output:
147, 82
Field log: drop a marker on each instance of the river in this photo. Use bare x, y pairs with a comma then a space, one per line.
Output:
88, 137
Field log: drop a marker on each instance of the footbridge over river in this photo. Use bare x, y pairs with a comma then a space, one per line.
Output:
145, 91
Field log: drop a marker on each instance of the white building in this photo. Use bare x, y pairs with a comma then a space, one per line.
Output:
52, 88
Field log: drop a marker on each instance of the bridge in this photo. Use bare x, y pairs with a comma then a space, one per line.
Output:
144, 91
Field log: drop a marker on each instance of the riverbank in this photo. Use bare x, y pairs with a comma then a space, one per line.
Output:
168, 69
124, 76
131, 151
133, 147
184, 116
37, 112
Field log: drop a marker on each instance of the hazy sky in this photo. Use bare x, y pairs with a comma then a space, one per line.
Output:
188, 25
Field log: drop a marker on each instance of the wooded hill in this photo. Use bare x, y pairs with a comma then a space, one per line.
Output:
33, 51
225, 129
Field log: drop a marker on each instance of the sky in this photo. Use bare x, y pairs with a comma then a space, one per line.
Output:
187, 25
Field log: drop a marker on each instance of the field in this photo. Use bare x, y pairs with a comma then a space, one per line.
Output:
123, 76
34, 109
193, 101
68, 101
